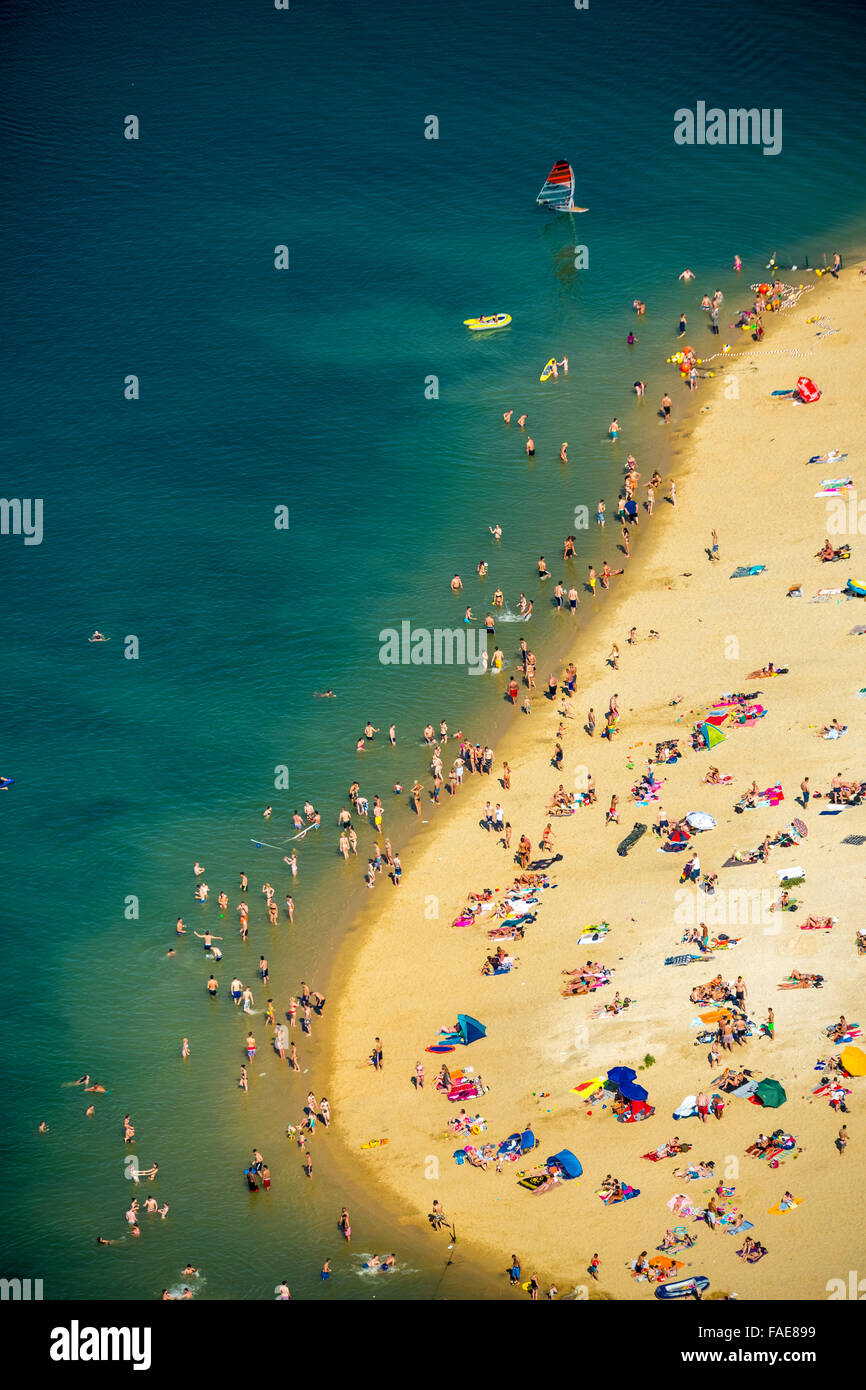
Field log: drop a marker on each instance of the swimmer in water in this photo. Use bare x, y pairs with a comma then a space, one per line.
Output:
530, 447
521, 422
324, 694
507, 416
456, 584
686, 274
98, 637
738, 264
563, 452
496, 531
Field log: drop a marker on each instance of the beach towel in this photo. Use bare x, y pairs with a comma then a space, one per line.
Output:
586, 1088
682, 960
745, 1091
738, 1230
782, 1207
825, 925
681, 1205
744, 571
686, 1108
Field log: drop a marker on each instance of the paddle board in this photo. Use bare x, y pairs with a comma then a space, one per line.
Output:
548, 369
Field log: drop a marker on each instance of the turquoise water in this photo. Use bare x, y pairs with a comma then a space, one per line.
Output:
305, 389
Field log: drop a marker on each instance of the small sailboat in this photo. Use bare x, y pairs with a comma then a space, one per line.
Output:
558, 192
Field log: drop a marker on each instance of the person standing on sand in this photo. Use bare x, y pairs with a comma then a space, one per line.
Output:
804, 793
672, 495
770, 1025
666, 404
590, 722
842, 1140
514, 1271
592, 1270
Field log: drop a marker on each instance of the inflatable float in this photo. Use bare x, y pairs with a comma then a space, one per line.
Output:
857, 586
683, 1288
548, 369
487, 321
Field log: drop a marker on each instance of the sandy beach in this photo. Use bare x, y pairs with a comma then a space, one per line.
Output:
740, 466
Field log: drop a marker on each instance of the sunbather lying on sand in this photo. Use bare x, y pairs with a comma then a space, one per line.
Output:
731, 1079
696, 1170
767, 671
797, 980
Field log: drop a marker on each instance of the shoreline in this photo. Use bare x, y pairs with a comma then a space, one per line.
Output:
375, 964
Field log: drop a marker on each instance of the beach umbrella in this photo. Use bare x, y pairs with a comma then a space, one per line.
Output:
800, 826
621, 1074
854, 1061
679, 836
807, 390
700, 820
771, 1093
632, 1091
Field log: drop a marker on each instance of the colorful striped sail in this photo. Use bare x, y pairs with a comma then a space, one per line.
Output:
558, 191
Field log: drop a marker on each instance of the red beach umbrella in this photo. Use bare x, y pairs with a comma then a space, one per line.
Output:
807, 390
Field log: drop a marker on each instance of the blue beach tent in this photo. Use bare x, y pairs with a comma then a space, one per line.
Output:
567, 1162
470, 1029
